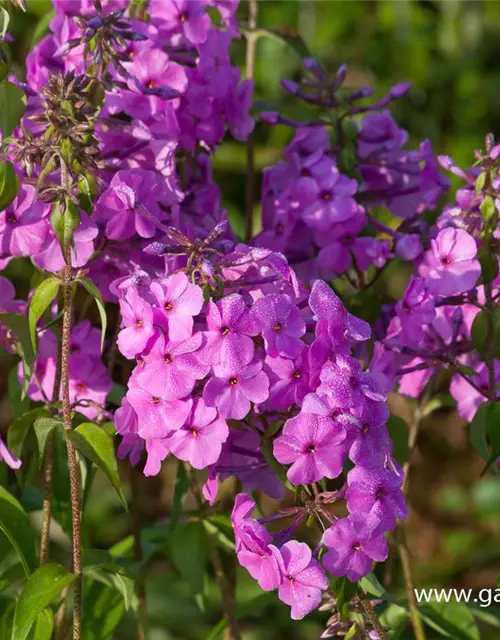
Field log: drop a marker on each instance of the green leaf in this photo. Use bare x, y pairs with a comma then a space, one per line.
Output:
116, 395
116, 577
5, 20
180, 493
479, 332
284, 35
249, 608
64, 220
19, 429
189, 551
9, 184
19, 326
344, 591
42, 588
488, 209
15, 524
18, 404
451, 619
486, 423
43, 430
489, 264
104, 609
96, 445
399, 432
44, 626
44, 295
371, 584
12, 107
96, 294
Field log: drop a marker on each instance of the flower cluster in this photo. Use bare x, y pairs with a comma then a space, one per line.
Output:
278, 361
441, 321
320, 202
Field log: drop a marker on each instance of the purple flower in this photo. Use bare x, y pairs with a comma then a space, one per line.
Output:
289, 379
233, 389
253, 545
131, 206
200, 440
313, 445
376, 490
327, 198
23, 227
178, 301
348, 385
230, 326
450, 266
330, 312
157, 450
303, 579
89, 380
353, 544
415, 310
171, 369
182, 16
157, 418
281, 324
367, 434
137, 317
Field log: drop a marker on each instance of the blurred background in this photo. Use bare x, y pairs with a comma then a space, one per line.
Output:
450, 51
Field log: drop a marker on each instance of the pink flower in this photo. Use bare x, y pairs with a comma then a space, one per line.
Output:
137, 317
281, 324
450, 266
179, 301
157, 418
200, 440
233, 389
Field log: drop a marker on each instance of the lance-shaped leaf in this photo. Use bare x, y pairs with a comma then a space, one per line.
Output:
284, 35
42, 588
15, 524
96, 294
9, 184
12, 107
18, 324
43, 297
44, 428
96, 445
19, 429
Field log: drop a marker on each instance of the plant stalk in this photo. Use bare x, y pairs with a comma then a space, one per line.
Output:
250, 72
142, 621
72, 461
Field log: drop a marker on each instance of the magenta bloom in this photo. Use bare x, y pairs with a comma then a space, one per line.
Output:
415, 311
172, 368
281, 324
303, 579
313, 445
137, 317
255, 552
157, 418
182, 16
450, 266
233, 389
179, 301
157, 450
23, 227
130, 205
200, 440
347, 384
353, 544
289, 380
376, 490
230, 326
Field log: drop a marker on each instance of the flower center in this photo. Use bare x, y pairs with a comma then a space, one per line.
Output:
233, 381
277, 326
445, 260
167, 358
310, 449
183, 16
380, 493
168, 306
81, 387
138, 322
150, 84
155, 400
195, 432
296, 375
279, 228
224, 331
356, 546
326, 196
